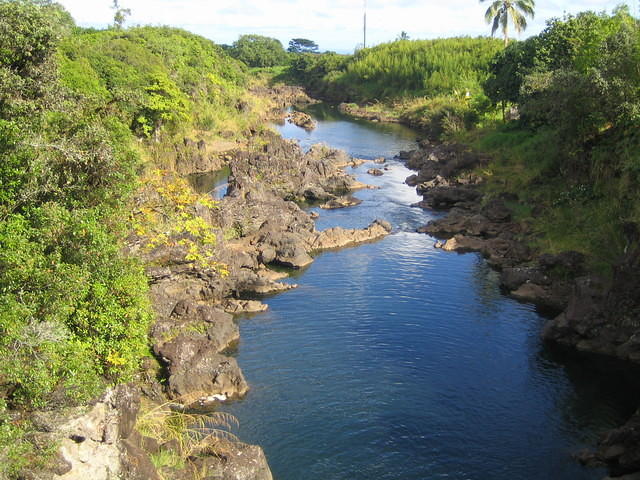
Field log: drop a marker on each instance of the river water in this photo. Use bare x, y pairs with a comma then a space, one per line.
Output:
394, 360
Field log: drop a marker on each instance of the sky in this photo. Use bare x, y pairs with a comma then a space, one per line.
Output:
334, 24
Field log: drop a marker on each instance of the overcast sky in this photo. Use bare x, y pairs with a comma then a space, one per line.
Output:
333, 24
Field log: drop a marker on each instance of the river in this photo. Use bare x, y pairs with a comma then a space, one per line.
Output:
394, 360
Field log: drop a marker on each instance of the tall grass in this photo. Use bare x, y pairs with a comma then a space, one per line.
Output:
420, 67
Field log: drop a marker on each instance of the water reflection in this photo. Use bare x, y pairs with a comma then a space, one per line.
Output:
213, 183
360, 138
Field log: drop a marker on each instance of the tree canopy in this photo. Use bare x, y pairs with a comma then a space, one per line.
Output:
258, 51
302, 45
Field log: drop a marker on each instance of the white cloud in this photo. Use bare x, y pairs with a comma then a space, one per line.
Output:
335, 25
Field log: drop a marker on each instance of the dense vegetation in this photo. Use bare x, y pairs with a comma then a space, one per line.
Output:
572, 155
401, 68
82, 115
431, 83
258, 51
574, 152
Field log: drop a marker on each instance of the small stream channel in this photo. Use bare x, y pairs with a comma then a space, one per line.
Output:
394, 360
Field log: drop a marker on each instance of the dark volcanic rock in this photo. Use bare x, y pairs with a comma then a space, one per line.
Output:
603, 318
136, 463
284, 169
447, 197
514, 277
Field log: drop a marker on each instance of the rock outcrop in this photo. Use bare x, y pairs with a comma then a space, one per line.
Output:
257, 225
302, 120
233, 461
193, 156
94, 441
603, 317
338, 237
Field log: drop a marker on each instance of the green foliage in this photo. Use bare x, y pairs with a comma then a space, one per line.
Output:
193, 433
258, 51
319, 72
13, 448
302, 45
574, 153
400, 69
28, 34
441, 116
165, 104
153, 79
73, 310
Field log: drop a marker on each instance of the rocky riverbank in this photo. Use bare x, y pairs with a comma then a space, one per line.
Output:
259, 223
588, 313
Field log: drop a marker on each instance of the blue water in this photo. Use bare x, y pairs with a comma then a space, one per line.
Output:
394, 360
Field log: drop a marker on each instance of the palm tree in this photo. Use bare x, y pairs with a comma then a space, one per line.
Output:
501, 10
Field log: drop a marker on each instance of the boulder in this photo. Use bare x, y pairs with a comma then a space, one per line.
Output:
206, 373
90, 440
302, 120
339, 237
341, 202
513, 278
447, 197
232, 461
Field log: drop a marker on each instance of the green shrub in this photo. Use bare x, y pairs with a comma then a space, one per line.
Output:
258, 51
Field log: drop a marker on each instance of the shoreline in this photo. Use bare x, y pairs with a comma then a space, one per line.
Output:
577, 302
268, 228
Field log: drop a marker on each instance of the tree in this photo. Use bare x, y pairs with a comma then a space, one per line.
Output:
403, 36
258, 51
302, 45
501, 11
120, 15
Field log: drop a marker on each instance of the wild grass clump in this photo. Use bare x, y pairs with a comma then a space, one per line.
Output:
185, 434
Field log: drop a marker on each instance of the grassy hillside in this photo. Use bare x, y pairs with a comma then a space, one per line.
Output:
429, 83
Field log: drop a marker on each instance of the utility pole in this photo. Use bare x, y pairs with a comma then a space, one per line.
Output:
364, 44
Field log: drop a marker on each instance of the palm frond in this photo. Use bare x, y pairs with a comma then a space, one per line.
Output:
500, 11
496, 25
192, 431
527, 7
492, 11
